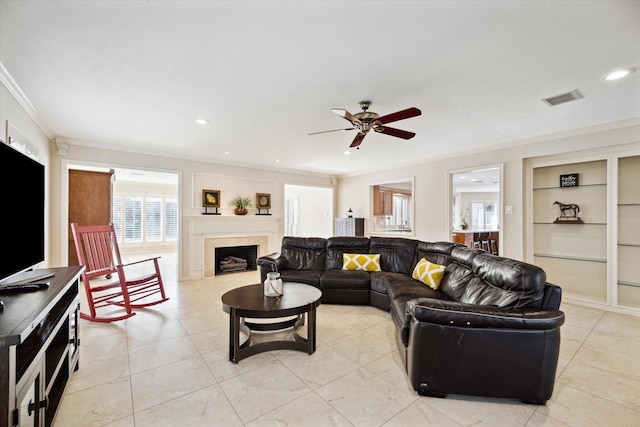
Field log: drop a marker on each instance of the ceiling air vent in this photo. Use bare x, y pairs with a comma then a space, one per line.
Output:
574, 95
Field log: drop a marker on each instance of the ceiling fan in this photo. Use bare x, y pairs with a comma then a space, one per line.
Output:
367, 120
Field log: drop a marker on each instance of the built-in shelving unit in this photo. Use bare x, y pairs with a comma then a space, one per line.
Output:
597, 262
628, 269
573, 255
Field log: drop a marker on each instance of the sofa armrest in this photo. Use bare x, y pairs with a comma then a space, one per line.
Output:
272, 262
552, 297
451, 313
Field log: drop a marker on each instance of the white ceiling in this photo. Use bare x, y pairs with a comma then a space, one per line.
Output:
134, 75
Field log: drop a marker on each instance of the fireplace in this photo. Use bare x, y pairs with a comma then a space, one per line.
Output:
233, 259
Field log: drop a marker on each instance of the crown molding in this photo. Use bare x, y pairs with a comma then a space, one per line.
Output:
7, 81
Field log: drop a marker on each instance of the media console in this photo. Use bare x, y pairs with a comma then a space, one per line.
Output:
39, 349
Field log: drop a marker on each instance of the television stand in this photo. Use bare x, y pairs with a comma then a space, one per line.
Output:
29, 276
39, 349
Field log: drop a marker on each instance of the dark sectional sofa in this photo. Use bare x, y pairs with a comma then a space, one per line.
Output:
492, 328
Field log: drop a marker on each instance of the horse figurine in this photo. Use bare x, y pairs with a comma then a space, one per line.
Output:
565, 207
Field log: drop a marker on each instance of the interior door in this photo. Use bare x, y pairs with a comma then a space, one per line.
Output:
90, 196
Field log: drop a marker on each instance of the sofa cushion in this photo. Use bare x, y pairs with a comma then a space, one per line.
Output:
304, 253
435, 252
341, 279
428, 273
310, 277
459, 272
504, 282
412, 288
337, 246
396, 254
364, 262
381, 279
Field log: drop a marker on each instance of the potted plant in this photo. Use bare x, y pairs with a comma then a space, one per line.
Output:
241, 204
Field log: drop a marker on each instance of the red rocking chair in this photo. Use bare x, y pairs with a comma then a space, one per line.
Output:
107, 287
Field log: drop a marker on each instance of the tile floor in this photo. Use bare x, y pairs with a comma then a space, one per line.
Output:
167, 366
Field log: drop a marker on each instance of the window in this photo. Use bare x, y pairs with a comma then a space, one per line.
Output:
484, 216
171, 219
138, 219
133, 219
400, 217
153, 219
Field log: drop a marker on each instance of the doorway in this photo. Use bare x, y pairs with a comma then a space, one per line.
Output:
142, 204
308, 211
475, 209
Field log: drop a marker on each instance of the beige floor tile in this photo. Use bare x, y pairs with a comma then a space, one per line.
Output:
363, 347
620, 325
162, 353
320, 368
420, 413
483, 411
222, 369
205, 407
622, 389
159, 385
582, 409
96, 406
364, 398
308, 411
180, 373
103, 360
151, 326
262, 390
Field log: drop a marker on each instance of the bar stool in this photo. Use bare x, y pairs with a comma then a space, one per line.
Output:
493, 246
476, 244
485, 246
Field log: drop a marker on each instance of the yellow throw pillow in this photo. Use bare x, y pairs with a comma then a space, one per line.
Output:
428, 273
366, 262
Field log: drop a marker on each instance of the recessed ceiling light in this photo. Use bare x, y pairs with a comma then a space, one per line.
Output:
618, 74
347, 152
202, 121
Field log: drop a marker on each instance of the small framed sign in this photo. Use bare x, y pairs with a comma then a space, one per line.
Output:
569, 180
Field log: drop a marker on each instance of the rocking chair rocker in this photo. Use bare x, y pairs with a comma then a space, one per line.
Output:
97, 249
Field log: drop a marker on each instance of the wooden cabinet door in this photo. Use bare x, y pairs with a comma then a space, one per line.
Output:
89, 202
382, 201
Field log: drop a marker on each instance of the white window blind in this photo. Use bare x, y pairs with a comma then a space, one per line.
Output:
153, 219
171, 219
116, 216
133, 219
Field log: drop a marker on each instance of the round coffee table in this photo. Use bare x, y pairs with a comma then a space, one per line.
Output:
297, 300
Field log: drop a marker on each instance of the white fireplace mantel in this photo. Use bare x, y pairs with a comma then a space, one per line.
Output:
204, 231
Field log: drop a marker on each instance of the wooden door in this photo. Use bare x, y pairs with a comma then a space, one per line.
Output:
90, 196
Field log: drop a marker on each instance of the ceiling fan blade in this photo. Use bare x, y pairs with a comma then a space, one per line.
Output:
347, 115
399, 115
327, 131
394, 132
357, 140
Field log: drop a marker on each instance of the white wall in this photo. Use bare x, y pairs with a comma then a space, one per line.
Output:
431, 196
14, 113
316, 210
194, 177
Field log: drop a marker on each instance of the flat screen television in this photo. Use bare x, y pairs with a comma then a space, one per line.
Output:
22, 191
